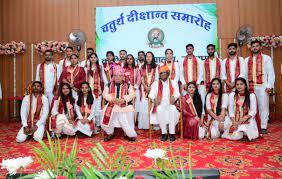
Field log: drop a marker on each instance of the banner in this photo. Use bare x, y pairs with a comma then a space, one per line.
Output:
156, 28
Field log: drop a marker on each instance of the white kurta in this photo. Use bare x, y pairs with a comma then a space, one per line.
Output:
84, 128
250, 130
213, 69
176, 67
268, 82
38, 134
121, 116
49, 78
61, 63
143, 119
233, 70
215, 133
190, 70
166, 113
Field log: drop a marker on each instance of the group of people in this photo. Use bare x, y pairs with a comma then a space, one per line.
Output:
215, 98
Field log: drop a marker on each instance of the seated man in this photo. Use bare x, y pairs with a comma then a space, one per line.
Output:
164, 94
119, 111
34, 112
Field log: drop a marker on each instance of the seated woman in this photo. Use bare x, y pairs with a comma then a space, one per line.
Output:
192, 112
242, 111
85, 110
62, 112
216, 106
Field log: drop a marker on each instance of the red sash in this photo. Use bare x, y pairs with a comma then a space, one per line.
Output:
42, 76
191, 106
70, 108
208, 73
109, 108
160, 93
213, 108
107, 71
85, 112
64, 64
194, 67
172, 71
33, 118
228, 72
98, 82
72, 73
145, 74
258, 78
130, 75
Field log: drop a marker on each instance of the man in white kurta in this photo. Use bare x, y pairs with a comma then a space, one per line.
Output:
262, 87
119, 96
66, 61
47, 73
164, 112
230, 68
30, 125
212, 66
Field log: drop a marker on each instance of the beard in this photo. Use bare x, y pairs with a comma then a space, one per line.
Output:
232, 53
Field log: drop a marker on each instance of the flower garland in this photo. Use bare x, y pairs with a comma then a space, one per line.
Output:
12, 48
55, 46
267, 41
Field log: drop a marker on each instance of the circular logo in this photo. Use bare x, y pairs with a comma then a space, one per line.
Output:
156, 37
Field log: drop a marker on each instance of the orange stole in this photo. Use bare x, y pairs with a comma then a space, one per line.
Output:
194, 67
33, 118
237, 72
109, 108
160, 93
130, 75
208, 73
107, 70
98, 83
85, 111
172, 71
258, 78
42, 76
145, 75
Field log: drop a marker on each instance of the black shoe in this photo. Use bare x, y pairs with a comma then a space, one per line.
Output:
109, 137
264, 131
172, 137
164, 137
131, 139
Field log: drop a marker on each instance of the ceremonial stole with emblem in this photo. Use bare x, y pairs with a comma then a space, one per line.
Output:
189, 101
116, 92
160, 93
172, 69
255, 76
149, 78
228, 72
42, 73
208, 71
107, 71
72, 73
194, 69
130, 75
34, 116
85, 110
95, 80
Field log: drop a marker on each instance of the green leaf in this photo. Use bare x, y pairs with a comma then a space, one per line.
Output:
125, 171
158, 174
100, 164
95, 170
119, 166
102, 158
102, 150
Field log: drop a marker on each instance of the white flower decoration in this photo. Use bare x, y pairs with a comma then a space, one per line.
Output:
12, 165
155, 154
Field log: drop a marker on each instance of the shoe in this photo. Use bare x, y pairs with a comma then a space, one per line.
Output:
172, 137
164, 137
264, 131
131, 139
109, 137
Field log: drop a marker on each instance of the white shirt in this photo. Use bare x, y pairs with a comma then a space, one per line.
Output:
49, 76
269, 74
25, 110
61, 63
224, 103
166, 92
233, 69
253, 105
213, 68
78, 113
176, 67
190, 69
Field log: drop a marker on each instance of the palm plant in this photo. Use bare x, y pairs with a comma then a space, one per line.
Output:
111, 166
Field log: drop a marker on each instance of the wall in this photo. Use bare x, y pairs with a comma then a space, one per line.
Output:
33, 21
